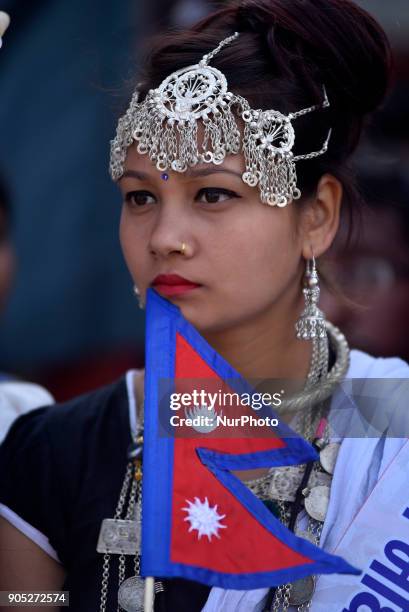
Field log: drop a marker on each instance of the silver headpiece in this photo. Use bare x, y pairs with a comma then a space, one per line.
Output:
165, 126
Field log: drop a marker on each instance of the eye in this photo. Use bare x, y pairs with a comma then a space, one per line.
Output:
215, 195
139, 198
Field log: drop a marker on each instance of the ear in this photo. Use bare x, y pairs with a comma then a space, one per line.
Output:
320, 219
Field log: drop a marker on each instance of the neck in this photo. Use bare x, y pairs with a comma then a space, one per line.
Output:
265, 348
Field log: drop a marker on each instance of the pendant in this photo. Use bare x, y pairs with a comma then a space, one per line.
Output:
119, 537
131, 594
301, 591
306, 535
316, 502
319, 478
285, 482
328, 457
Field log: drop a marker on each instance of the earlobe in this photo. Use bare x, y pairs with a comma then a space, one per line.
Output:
322, 216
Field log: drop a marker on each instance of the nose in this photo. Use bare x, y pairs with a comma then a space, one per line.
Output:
170, 234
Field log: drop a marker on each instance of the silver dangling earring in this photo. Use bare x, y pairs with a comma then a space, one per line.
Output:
311, 323
141, 303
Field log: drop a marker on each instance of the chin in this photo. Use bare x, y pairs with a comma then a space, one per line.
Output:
195, 315
198, 316
208, 317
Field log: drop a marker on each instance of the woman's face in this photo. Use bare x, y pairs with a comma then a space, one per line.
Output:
244, 256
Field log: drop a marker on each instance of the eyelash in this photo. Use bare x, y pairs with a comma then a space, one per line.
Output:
129, 197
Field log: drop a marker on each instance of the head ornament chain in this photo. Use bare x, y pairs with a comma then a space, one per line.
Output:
165, 127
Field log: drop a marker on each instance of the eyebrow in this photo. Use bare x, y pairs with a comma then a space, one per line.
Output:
142, 176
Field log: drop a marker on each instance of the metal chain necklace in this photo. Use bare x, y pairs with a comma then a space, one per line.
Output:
280, 484
121, 535
299, 593
314, 393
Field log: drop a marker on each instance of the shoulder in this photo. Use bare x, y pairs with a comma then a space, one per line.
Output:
60, 426
56, 459
88, 410
60, 422
24, 393
370, 401
369, 416
17, 398
380, 395
363, 365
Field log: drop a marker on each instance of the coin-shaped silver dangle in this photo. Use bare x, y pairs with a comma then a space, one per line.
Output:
328, 457
131, 594
316, 502
306, 535
302, 591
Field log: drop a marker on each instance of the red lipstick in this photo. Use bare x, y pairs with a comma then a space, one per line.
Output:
173, 284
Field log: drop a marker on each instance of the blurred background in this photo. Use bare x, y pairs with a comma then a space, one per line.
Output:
69, 319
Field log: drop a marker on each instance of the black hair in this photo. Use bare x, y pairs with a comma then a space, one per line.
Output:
287, 50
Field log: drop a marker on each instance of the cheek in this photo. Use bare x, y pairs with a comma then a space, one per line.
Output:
262, 254
132, 248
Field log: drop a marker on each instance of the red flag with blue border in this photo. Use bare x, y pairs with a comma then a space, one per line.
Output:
200, 521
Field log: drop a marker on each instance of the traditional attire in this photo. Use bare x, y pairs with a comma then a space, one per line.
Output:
61, 470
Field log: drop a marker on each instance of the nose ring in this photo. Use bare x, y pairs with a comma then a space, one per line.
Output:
183, 248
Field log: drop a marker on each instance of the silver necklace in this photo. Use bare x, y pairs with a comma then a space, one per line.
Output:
314, 393
121, 535
281, 484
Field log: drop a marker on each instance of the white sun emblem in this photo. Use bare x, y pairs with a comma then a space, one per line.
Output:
204, 518
207, 419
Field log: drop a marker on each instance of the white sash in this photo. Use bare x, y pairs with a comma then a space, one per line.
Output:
376, 541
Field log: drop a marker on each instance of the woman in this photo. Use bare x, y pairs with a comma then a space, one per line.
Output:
216, 246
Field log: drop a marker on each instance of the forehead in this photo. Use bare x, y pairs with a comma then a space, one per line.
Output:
137, 161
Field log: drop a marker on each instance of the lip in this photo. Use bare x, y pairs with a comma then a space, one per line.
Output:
173, 284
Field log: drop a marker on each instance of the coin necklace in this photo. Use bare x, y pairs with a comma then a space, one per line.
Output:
316, 499
121, 536
281, 484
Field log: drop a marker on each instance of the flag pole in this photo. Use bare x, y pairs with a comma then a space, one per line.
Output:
149, 594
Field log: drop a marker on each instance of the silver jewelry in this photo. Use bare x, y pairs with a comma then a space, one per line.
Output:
311, 323
115, 535
118, 537
121, 536
141, 302
4, 24
313, 394
280, 484
301, 591
316, 502
165, 126
328, 457
131, 594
